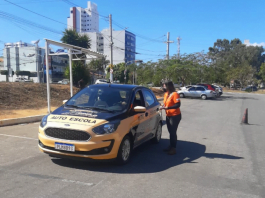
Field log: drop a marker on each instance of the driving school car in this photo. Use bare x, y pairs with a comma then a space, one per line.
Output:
104, 121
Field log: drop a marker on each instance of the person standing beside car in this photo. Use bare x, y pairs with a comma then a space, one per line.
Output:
81, 84
173, 115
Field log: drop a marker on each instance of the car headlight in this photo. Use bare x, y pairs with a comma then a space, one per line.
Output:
44, 121
106, 128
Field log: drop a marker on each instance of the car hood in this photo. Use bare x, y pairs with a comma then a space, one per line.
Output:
84, 117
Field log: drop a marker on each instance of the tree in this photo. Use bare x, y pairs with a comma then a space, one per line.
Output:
118, 72
244, 74
98, 65
80, 71
73, 38
262, 72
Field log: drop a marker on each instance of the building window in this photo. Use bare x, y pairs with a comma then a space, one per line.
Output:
71, 11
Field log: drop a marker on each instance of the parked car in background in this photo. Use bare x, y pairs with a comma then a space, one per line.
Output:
150, 84
64, 82
177, 85
101, 81
116, 82
218, 89
197, 91
208, 86
21, 79
250, 88
186, 87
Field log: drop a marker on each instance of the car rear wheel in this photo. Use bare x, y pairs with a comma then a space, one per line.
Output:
181, 95
204, 97
158, 134
124, 151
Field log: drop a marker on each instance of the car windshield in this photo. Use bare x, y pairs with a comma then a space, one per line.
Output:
101, 98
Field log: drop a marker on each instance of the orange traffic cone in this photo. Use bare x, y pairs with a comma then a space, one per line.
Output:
245, 117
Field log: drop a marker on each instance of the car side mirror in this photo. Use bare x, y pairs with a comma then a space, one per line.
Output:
64, 101
139, 109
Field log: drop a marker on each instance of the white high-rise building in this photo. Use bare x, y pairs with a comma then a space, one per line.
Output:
97, 41
124, 45
84, 19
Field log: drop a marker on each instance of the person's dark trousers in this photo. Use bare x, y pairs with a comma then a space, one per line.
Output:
172, 126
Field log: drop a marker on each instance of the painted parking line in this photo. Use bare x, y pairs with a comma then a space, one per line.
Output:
18, 137
77, 182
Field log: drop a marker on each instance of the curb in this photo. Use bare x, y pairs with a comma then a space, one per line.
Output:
8, 122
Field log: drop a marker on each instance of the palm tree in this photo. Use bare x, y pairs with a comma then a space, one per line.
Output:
73, 38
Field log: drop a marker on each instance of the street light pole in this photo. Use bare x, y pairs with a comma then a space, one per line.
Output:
47, 76
111, 48
71, 75
37, 60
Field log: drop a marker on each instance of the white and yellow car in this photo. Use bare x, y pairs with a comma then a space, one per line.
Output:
104, 121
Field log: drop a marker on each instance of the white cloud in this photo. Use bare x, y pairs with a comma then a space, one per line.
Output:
256, 44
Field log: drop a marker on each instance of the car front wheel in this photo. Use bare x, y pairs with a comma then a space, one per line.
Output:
124, 151
181, 95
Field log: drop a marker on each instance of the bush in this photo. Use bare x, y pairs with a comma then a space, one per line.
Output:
80, 71
23, 73
4, 72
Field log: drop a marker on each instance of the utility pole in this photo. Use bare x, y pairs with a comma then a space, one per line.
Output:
111, 48
168, 42
178, 39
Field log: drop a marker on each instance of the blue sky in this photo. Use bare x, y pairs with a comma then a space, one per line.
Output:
198, 23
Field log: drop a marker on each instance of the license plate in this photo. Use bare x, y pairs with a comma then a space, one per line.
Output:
64, 147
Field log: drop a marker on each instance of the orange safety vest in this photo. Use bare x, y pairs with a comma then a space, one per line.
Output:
170, 100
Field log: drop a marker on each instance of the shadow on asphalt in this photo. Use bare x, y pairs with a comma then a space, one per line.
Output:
225, 98
149, 158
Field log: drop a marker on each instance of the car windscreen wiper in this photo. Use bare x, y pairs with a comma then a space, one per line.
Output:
100, 109
72, 106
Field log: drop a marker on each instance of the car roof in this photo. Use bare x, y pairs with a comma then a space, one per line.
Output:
197, 86
122, 86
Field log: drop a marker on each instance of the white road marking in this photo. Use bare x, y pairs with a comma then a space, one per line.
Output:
98, 183
78, 182
19, 137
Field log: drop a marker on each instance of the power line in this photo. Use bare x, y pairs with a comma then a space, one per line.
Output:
29, 2
141, 44
20, 20
116, 23
34, 12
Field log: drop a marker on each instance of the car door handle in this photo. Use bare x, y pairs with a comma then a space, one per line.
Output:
146, 114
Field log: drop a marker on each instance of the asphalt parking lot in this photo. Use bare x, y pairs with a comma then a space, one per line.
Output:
217, 157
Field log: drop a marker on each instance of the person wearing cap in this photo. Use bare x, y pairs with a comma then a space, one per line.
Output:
173, 115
